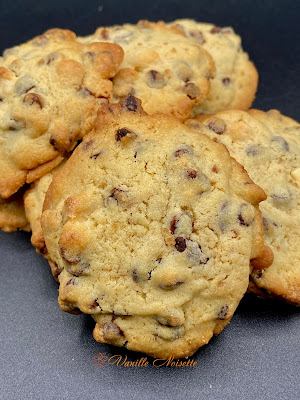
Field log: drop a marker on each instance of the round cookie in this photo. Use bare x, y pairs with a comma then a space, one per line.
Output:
12, 213
236, 79
162, 67
268, 145
153, 227
50, 88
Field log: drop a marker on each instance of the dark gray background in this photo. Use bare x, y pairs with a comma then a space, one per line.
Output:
47, 354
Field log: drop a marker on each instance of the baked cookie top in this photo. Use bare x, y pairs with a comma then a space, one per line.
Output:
268, 145
162, 67
50, 88
12, 213
236, 79
153, 227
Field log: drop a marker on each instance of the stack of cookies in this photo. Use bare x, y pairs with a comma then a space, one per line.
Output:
156, 197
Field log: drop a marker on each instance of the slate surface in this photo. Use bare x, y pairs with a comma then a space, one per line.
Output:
47, 354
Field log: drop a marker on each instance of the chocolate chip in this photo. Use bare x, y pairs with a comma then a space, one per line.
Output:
173, 225
95, 304
181, 225
87, 145
181, 152
258, 273
163, 321
224, 206
191, 173
223, 312
24, 84
55, 269
197, 35
118, 195
191, 90
252, 150
170, 285
83, 91
215, 169
170, 333
172, 320
266, 224
194, 252
77, 269
281, 198
184, 72
244, 219
135, 275
223, 216
216, 29
226, 81
282, 142
95, 156
69, 258
155, 79
70, 282
217, 125
17, 124
131, 103
111, 331
90, 55
180, 27
53, 57
180, 244
33, 99
122, 133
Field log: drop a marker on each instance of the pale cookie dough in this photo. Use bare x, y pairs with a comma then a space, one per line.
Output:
153, 227
50, 89
268, 145
162, 67
236, 79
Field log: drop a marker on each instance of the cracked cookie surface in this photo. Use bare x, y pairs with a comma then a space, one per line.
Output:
50, 88
162, 67
153, 227
268, 145
236, 77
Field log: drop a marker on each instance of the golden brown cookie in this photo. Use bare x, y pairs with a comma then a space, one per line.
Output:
236, 79
152, 227
50, 89
268, 145
162, 67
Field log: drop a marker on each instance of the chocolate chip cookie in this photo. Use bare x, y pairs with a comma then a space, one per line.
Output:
50, 88
153, 227
162, 67
236, 79
268, 145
